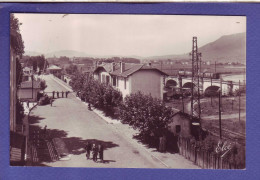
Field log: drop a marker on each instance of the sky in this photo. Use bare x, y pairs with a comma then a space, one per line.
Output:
123, 35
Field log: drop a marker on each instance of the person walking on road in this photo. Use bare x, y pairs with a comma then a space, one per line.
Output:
51, 100
62, 93
53, 94
67, 92
57, 94
95, 152
88, 148
101, 152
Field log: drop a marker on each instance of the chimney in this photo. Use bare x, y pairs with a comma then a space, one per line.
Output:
113, 66
122, 67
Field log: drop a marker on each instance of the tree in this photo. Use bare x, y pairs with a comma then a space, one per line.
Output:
71, 69
19, 112
16, 41
43, 85
19, 73
34, 66
145, 113
17, 46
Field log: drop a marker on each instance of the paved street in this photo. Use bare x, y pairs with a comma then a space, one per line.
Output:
70, 119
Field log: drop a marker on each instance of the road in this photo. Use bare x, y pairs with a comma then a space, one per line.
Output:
70, 119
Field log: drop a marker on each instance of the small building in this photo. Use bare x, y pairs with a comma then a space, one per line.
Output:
27, 70
130, 78
55, 70
183, 124
29, 90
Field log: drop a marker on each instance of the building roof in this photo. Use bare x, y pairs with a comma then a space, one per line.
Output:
54, 67
28, 84
130, 68
26, 68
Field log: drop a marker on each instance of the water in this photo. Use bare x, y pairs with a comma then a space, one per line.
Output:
234, 77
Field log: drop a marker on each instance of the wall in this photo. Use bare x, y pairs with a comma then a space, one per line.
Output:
12, 90
148, 82
105, 74
184, 122
121, 85
27, 94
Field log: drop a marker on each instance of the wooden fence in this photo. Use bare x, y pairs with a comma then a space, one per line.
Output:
203, 158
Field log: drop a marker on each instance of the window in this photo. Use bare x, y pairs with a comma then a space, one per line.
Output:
107, 79
114, 80
103, 78
178, 128
125, 82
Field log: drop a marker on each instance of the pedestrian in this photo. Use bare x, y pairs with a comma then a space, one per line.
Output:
45, 129
51, 100
101, 152
88, 148
57, 94
53, 94
89, 107
67, 92
62, 94
45, 132
95, 152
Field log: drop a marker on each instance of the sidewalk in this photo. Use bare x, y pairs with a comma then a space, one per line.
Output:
169, 160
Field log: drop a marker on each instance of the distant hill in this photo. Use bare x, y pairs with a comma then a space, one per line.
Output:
228, 48
67, 53
32, 53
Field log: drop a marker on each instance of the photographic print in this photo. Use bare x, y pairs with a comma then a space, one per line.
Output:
128, 91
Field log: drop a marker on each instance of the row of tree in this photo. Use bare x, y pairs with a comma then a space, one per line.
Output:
17, 46
100, 95
143, 112
35, 61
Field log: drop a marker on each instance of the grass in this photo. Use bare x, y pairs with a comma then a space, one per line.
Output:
210, 113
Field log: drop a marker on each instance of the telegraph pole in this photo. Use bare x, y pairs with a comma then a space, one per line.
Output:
219, 110
239, 100
211, 93
195, 90
32, 86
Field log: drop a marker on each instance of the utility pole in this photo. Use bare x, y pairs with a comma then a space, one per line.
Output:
211, 94
219, 110
32, 86
239, 100
215, 66
195, 90
182, 98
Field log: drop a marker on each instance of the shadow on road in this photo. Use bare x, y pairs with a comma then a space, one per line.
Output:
34, 119
75, 145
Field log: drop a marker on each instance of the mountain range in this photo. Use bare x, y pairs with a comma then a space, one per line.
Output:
228, 48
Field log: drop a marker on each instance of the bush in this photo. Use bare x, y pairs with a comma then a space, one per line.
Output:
145, 113
43, 84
